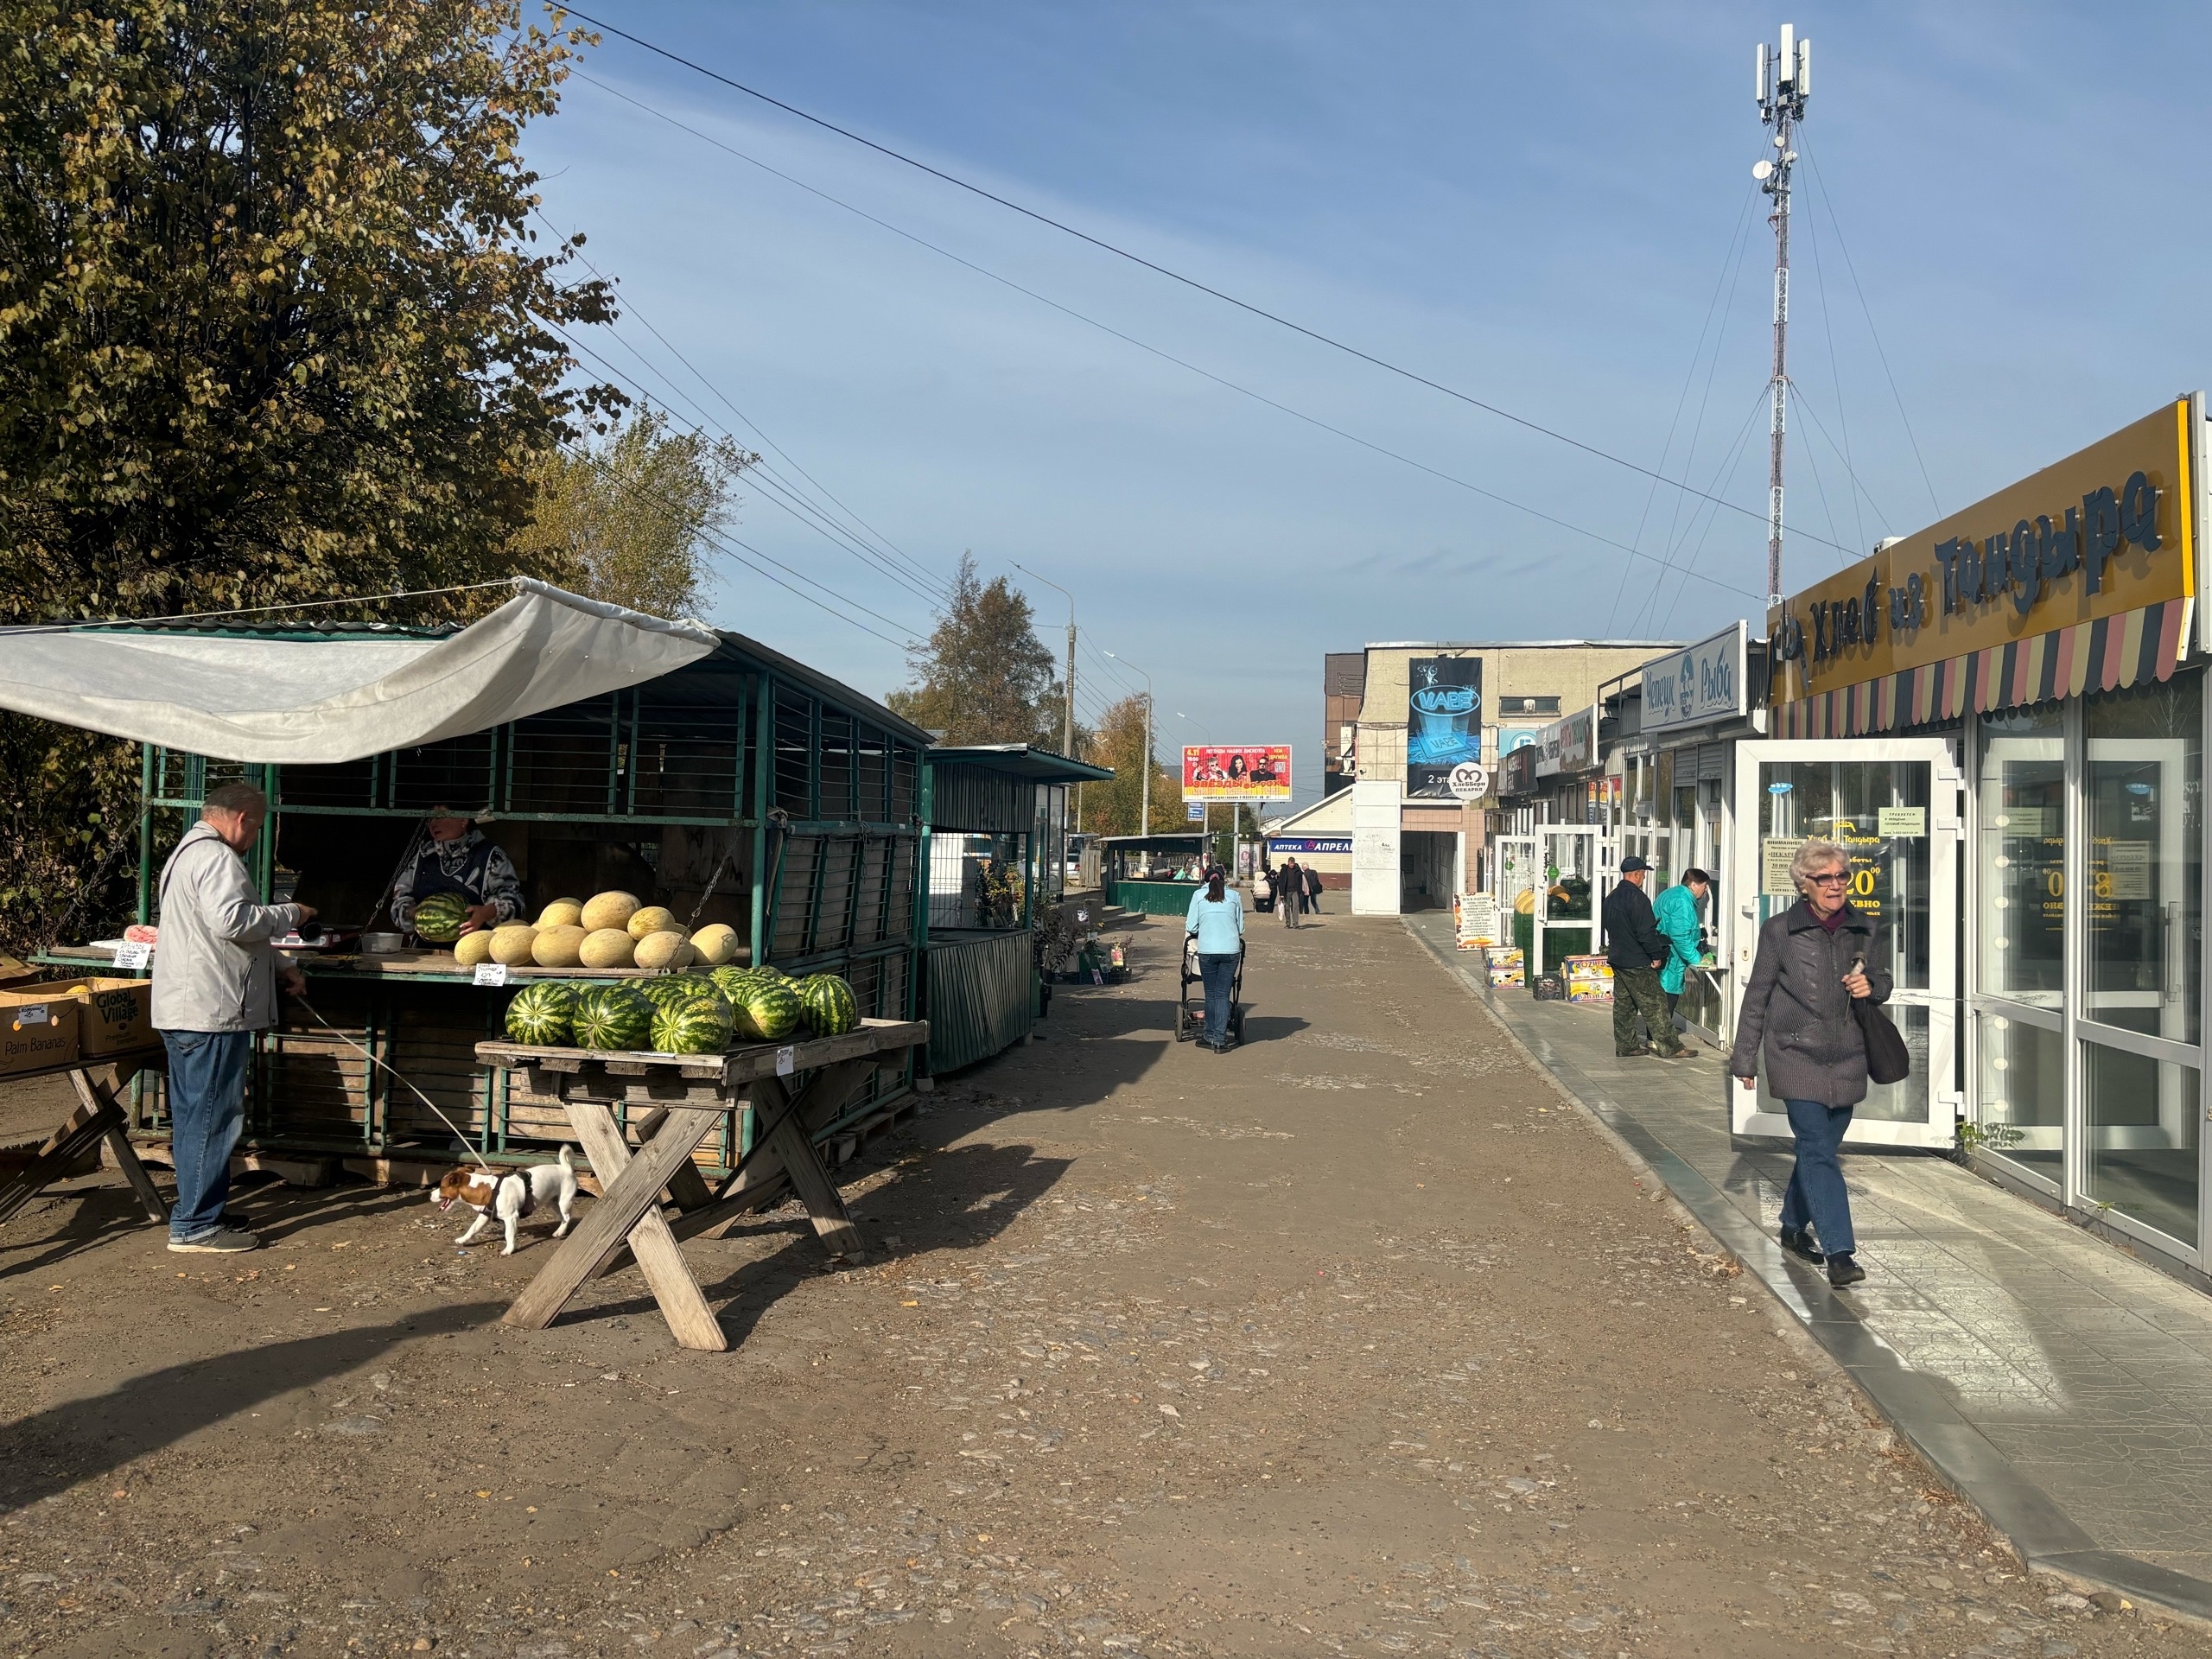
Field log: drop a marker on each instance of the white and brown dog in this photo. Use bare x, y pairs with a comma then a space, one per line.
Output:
510, 1197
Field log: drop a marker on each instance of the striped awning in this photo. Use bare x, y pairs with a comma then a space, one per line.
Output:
2104, 655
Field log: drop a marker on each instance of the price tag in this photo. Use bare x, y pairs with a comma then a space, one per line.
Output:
787, 1061
490, 973
31, 1014
133, 954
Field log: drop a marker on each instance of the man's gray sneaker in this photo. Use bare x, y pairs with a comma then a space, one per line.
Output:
224, 1241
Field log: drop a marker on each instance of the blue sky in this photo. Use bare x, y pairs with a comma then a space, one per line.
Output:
1548, 208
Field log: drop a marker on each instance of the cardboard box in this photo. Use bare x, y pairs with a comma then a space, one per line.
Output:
114, 1016
37, 1031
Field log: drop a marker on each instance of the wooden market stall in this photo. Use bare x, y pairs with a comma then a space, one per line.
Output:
995, 849
740, 787
1137, 871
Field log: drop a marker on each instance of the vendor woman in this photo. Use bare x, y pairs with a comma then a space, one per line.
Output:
457, 857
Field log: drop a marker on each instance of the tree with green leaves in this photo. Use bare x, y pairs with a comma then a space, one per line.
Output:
983, 676
276, 324
632, 519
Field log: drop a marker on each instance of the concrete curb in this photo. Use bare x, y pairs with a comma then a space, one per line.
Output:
2046, 1539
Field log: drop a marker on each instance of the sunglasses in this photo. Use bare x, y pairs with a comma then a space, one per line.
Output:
1832, 879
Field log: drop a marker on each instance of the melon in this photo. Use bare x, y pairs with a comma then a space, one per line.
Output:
692, 1026
616, 1016
441, 917
831, 1007
653, 918
562, 912
607, 947
512, 944
665, 948
540, 1013
605, 910
559, 947
716, 943
768, 1010
472, 948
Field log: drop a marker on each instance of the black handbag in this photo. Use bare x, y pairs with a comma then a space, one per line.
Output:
1888, 1060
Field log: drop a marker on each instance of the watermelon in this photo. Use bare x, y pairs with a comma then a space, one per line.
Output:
441, 917
692, 1026
831, 1007
730, 981
542, 1013
768, 1010
769, 970
664, 990
616, 1015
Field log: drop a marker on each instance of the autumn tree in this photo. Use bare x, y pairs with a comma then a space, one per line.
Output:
983, 676
1116, 808
632, 519
275, 325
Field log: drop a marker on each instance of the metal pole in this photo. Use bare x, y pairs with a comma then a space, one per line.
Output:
1785, 78
1144, 818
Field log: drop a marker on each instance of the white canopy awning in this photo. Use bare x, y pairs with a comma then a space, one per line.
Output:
317, 701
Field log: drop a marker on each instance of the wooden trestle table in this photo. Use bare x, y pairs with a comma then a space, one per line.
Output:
684, 1098
98, 1116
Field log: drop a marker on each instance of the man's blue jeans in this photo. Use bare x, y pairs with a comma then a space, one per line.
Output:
1816, 1189
1218, 973
207, 1092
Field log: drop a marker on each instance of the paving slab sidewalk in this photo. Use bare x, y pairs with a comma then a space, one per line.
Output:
2061, 1385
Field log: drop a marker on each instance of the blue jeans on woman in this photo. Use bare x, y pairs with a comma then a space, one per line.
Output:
207, 1094
1218, 973
1816, 1190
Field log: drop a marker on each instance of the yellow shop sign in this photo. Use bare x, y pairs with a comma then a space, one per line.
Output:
2103, 533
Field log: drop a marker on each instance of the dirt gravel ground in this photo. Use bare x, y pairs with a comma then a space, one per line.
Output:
1358, 1340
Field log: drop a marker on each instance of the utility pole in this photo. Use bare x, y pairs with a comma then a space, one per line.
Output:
1785, 78
1067, 728
1144, 819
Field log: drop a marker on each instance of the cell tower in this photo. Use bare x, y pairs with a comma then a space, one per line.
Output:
1785, 77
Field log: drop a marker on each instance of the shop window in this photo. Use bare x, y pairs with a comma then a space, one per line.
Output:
2141, 1116
2022, 935
2022, 1102
2146, 859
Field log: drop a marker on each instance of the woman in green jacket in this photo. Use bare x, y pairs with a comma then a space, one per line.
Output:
1676, 915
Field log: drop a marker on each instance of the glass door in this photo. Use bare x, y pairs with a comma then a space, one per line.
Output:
1892, 804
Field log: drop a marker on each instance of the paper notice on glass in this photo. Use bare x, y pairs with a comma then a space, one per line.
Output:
1775, 855
1478, 920
1901, 822
2128, 870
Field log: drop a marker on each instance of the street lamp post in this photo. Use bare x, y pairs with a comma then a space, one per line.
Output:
1067, 730
1205, 807
1144, 819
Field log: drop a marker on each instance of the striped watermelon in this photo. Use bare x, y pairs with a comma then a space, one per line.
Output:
664, 990
831, 1007
441, 917
768, 1011
616, 1015
692, 1026
542, 1013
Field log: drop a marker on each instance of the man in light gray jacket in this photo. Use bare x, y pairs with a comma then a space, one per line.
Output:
215, 977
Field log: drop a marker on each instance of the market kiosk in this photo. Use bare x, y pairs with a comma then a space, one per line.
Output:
1139, 872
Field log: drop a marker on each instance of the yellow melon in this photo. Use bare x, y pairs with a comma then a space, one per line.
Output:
666, 949
607, 947
514, 943
559, 947
562, 912
653, 918
716, 943
604, 910
472, 948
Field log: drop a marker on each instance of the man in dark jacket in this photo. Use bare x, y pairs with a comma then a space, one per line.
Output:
1638, 950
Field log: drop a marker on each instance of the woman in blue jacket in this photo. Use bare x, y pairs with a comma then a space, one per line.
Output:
1217, 922
1676, 915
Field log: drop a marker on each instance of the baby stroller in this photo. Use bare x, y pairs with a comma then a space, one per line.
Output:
1191, 1014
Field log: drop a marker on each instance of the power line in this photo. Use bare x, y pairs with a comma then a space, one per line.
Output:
1138, 259
1155, 351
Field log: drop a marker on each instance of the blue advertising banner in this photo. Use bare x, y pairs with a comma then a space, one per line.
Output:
1309, 843
1444, 720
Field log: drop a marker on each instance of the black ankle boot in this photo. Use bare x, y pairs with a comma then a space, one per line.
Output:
1799, 1243
1843, 1270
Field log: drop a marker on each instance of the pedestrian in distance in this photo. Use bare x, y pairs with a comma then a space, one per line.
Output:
1216, 924
1263, 888
1814, 960
1312, 885
1290, 884
1676, 911
1637, 951
215, 978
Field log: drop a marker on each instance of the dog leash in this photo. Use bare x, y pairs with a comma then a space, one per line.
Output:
481, 1161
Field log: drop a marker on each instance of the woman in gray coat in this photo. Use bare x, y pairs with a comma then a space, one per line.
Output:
1813, 960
